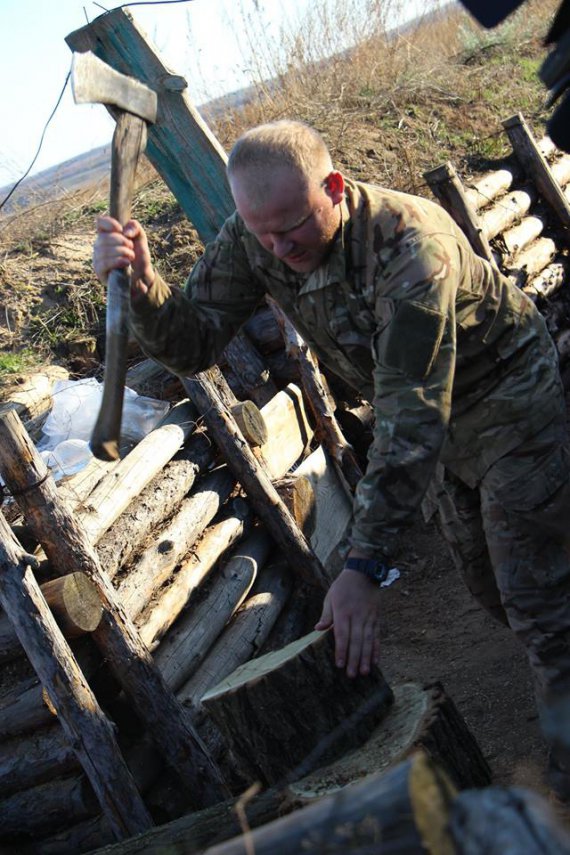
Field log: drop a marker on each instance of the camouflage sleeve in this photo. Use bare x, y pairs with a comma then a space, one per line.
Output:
414, 362
187, 329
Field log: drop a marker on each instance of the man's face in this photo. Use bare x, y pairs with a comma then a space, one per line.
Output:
295, 223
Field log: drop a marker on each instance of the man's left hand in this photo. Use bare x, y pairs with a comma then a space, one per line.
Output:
352, 607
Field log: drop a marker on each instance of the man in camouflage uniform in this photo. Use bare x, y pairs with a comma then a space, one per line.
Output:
463, 375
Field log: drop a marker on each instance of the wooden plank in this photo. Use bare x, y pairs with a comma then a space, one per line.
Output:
181, 147
535, 165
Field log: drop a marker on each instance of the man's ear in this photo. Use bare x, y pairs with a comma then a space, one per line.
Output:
334, 186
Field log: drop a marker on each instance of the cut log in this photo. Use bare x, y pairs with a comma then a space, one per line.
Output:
249, 367
298, 495
561, 171
263, 330
549, 280
157, 563
84, 723
23, 709
289, 432
482, 192
44, 809
250, 422
328, 430
277, 742
519, 236
67, 547
531, 261
245, 635
507, 210
192, 572
135, 471
188, 643
156, 503
32, 760
255, 481
153, 379
447, 188
75, 603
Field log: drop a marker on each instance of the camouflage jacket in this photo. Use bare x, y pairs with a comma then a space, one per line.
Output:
457, 362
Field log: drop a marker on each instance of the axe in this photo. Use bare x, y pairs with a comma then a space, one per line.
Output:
133, 104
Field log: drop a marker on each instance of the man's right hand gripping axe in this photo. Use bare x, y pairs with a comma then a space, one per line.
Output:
133, 104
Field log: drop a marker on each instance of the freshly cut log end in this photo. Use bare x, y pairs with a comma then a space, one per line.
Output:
75, 603
251, 422
291, 710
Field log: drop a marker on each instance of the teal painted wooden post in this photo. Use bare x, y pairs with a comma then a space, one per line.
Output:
181, 146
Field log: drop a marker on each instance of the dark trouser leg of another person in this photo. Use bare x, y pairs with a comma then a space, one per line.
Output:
525, 503
461, 524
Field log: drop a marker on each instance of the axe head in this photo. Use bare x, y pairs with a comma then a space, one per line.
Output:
95, 82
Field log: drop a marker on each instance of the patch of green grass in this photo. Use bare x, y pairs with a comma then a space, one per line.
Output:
16, 363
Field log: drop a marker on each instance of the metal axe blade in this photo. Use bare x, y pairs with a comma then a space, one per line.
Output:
93, 81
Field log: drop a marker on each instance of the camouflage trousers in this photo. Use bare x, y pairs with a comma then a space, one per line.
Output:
510, 540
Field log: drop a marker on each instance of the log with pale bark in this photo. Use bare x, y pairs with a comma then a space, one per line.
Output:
531, 261
33, 396
191, 573
246, 633
67, 546
550, 280
507, 210
260, 491
188, 643
518, 237
156, 503
157, 563
85, 725
331, 713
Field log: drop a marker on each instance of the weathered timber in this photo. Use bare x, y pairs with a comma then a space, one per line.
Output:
157, 562
153, 379
536, 167
331, 712
245, 634
155, 503
298, 495
34, 759
327, 430
123, 483
33, 396
75, 603
507, 210
67, 546
550, 280
46, 808
260, 491
180, 146
250, 422
247, 363
447, 188
518, 237
531, 261
154, 623
83, 722
498, 820
188, 643
289, 432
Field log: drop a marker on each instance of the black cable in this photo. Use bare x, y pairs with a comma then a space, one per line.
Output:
142, 3
27, 172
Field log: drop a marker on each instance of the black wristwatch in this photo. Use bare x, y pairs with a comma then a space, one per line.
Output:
371, 567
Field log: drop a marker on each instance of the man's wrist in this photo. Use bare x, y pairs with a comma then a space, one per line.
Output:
374, 568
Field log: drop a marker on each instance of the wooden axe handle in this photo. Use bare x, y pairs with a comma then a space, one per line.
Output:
129, 141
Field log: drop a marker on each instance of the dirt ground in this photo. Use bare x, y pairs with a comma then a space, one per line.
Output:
435, 631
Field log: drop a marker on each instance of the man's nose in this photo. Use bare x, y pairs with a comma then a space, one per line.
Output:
281, 246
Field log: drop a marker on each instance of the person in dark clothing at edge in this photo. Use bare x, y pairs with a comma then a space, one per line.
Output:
458, 363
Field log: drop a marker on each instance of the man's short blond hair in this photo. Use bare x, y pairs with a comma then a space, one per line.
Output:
275, 145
